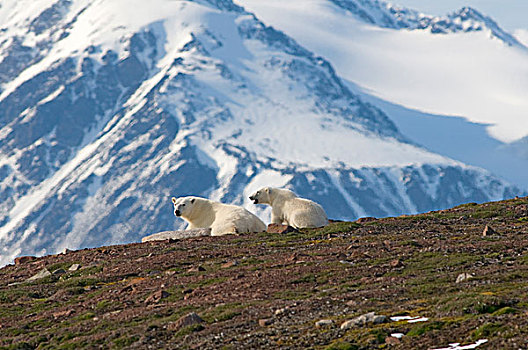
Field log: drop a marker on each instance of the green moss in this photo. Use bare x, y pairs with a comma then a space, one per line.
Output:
124, 341
11, 295
79, 282
504, 311
338, 227
489, 307
223, 312
208, 282
309, 278
424, 328
292, 295
188, 330
487, 330
467, 205
376, 336
341, 346
86, 316
103, 305
63, 265
19, 346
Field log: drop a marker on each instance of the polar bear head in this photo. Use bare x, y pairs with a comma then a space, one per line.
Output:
262, 196
183, 206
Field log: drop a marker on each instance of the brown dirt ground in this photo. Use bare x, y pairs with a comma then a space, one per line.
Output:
394, 266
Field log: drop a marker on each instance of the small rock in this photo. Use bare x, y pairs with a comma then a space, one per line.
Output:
24, 259
74, 267
488, 231
264, 322
41, 274
463, 277
65, 313
366, 219
351, 302
65, 251
323, 323
348, 324
58, 272
174, 236
196, 269
187, 291
185, 321
293, 257
156, 296
396, 263
341, 256
392, 341
230, 264
278, 228
379, 319
370, 317
280, 311
127, 289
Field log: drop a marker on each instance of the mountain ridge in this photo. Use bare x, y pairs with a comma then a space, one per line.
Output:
95, 144
387, 15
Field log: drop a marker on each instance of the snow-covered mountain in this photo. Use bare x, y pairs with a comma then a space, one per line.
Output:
108, 108
461, 93
387, 15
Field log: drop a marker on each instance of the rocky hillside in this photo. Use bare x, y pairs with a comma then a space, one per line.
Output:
409, 282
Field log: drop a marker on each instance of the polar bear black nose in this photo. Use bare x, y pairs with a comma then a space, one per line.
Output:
177, 212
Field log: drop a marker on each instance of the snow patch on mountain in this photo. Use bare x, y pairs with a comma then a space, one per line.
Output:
461, 74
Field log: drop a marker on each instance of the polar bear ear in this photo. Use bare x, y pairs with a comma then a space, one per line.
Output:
173, 200
268, 190
192, 200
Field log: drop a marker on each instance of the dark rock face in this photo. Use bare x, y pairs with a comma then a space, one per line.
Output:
93, 146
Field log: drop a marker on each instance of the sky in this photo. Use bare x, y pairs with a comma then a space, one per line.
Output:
511, 15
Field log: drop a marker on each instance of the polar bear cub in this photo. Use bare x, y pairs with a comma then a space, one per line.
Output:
221, 218
289, 209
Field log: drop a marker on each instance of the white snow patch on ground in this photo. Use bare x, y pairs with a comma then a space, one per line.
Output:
457, 346
409, 319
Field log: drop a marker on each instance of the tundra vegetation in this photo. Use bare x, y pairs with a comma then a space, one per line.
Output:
269, 290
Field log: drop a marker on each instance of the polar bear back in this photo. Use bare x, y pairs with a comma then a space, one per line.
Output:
234, 219
301, 213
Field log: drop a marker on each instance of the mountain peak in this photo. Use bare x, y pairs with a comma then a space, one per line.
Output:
387, 15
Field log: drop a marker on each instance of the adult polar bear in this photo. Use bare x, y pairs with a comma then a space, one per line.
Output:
287, 208
221, 218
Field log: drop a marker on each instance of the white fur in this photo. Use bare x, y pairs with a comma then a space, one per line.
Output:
287, 208
220, 218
